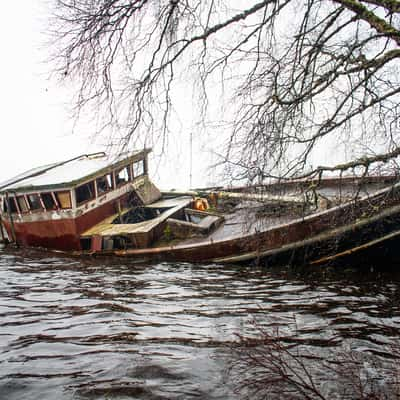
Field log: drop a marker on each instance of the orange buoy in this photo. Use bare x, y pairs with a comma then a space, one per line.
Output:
201, 204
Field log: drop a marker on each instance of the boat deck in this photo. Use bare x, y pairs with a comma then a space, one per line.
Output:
107, 228
243, 215
251, 216
241, 222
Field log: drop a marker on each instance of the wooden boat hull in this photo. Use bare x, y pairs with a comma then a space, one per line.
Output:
323, 236
320, 237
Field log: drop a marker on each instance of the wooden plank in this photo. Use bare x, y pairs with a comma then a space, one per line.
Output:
262, 197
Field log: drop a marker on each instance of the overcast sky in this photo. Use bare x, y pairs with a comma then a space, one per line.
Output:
36, 125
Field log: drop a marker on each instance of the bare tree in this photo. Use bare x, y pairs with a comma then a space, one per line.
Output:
286, 77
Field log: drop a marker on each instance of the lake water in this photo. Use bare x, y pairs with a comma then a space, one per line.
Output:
107, 329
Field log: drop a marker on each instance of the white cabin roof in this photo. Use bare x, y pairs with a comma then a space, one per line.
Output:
65, 173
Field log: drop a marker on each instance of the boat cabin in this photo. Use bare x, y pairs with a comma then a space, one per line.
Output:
53, 205
95, 204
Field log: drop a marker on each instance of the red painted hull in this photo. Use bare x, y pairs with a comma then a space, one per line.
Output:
62, 234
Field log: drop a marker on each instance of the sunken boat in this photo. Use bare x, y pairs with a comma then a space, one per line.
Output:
102, 206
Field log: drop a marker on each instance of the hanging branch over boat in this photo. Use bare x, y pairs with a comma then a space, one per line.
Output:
289, 77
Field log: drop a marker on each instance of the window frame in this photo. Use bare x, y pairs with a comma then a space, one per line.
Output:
55, 202
111, 175
130, 175
141, 161
79, 204
16, 206
58, 201
22, 197
35, 210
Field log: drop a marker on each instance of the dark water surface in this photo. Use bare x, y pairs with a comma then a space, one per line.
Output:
96, 329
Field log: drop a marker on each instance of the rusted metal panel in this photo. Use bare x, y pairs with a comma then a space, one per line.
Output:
59, 234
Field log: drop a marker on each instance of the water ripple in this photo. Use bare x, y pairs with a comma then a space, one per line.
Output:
97, 329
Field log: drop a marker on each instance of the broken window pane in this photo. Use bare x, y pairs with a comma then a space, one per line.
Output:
64, 199
123, 176
22, 204
34, 202
138, 168
85, 193
48, 201
104, 184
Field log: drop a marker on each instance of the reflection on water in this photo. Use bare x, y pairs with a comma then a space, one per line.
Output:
94, 329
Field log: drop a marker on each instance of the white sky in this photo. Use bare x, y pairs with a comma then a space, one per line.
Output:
36, 127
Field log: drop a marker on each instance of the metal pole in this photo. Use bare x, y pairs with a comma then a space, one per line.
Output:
191, 160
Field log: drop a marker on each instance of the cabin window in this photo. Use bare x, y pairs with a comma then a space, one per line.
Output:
138, 168
48, 201
123, 176
104, 184
85, 193
34, 202
13, 206
64, 199
22, 204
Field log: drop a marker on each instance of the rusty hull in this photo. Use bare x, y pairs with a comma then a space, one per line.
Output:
308, 238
